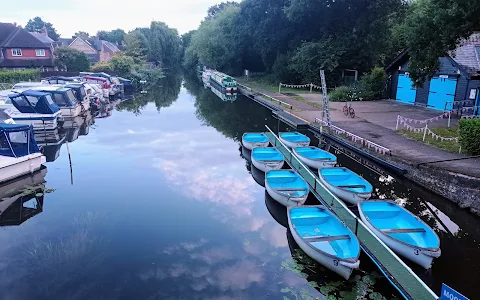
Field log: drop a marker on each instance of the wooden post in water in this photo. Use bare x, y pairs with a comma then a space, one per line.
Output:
70, 160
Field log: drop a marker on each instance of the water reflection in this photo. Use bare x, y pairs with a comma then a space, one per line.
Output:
22, 198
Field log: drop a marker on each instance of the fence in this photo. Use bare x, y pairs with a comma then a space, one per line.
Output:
6, 86
311, 86
265, 96
395, 270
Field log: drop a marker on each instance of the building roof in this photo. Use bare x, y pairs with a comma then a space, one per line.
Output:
467, 54
42, 37
62, 42
17, 37
111, 46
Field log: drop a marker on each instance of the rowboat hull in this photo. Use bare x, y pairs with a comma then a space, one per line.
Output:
421, 256
342, 267
290, 144
351, 197
266, 166
315, 163
294, 139
249, 144
283, 199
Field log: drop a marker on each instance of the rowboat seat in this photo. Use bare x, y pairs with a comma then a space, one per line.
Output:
402, 230
328, 238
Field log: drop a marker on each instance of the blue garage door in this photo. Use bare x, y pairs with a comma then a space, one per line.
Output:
406, 92
442, 93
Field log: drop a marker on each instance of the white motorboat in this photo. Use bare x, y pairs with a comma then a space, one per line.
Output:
19, 153
64, 98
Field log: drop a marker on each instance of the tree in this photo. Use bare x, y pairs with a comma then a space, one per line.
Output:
102, 66
215, 9
71, 60
136, 46
164, 44
113, 36
36, 24
122, 65
83, 35
434, 27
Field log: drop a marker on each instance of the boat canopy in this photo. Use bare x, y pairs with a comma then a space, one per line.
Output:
59, 79
63, 97
34, 102
78, 90
17, 140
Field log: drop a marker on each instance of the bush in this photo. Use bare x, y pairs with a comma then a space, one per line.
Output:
469, 131
344, 93
373, 85
101, 66
14, 77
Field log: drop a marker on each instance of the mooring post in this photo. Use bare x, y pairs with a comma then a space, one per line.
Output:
425, 132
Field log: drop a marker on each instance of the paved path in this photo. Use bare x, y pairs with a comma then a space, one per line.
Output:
376, 121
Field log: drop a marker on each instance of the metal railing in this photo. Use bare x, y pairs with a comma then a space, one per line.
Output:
5, 86
395, 270
280, 102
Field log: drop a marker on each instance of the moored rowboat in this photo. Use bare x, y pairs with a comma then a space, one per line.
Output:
345, 184
324, 238
286, 187
252, 140
267, 159
294, 139
315, 158
400, 230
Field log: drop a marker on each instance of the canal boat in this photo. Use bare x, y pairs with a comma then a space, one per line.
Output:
63, 98
294, 139
345, 184
19, 154
315, 158
223, 82
323, 237
267, 159
402, 231
251, 140
34, 108
224, 96
79, 90
286, 187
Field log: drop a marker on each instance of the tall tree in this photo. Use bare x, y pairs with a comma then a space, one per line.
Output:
113, 36
83, 35
36, 24
433, 28
71, 60
164, 44
215, 9
136, 46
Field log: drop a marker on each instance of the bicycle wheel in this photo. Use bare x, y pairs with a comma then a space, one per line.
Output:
345, 109
352, 113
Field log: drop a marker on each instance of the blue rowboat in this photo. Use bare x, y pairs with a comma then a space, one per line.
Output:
324, 238
286, 187
267, 159
294, 139
400, 230
345, 184
252, 140
315, 158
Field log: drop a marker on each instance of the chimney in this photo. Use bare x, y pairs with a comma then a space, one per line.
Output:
15, 24
44, 30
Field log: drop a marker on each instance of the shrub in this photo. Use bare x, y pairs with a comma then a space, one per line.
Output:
373, 85
14, 77
344, 93
469, 131
101, 66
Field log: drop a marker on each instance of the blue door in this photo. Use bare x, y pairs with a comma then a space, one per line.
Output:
442, 93
406, 92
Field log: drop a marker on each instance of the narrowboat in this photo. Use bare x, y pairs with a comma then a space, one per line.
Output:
223, 82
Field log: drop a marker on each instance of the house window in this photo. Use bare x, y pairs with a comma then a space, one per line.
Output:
16, 52
40, 52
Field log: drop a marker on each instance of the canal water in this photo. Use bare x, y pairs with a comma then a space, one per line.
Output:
156, 199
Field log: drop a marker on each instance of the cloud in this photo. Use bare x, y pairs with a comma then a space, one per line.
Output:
238, 276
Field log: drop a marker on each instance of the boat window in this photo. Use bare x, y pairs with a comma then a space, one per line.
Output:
21, 101
49, 99
4, 146
58, 98
82, 92
71, 96
33, 100
19, 141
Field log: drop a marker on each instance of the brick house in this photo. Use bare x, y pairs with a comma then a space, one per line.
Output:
21, 50
98, 50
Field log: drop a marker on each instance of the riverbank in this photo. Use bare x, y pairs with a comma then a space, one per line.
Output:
458, 181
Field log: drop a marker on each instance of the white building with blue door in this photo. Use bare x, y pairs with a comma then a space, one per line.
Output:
456, 83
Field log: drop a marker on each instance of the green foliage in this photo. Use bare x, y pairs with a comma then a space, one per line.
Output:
164, 44
435, 27
113, 36
14, 77
71, 60
214, 43
83, 35
101, 66
136, 46
344, 93
36, 24
122, 65
469, 130
373, 85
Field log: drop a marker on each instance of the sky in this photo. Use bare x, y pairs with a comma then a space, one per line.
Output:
70, 16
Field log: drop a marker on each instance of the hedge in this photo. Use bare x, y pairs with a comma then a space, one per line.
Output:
7, 76
469, 131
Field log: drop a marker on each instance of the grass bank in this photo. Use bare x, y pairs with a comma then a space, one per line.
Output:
447, 132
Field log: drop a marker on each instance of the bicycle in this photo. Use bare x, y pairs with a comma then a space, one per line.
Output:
348, 110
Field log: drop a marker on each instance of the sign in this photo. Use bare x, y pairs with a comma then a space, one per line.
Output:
473, 94
450, 294
443, 76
